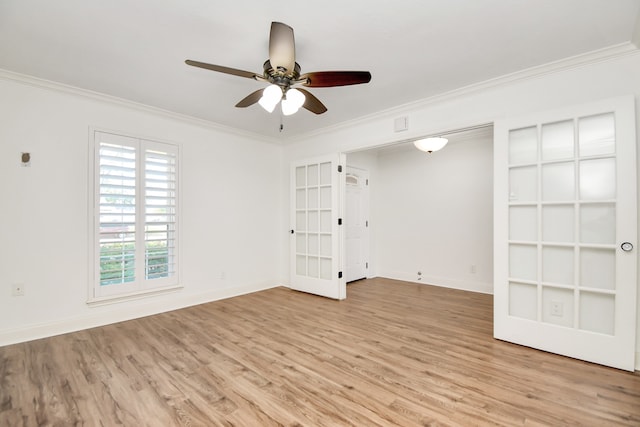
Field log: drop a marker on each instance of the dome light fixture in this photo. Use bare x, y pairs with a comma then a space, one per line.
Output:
431, 144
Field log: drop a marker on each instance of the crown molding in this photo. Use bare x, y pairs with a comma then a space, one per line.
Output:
114, 100
578, 61
602, 55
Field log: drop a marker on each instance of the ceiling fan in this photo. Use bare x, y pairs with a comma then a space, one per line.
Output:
283, 73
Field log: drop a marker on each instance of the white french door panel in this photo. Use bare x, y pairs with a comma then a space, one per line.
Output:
317, 243
565, 201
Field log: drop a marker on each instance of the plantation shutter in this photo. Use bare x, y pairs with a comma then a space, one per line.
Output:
160, 212
117, 209
136, 224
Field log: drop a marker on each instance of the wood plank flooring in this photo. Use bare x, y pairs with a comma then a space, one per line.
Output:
393, 353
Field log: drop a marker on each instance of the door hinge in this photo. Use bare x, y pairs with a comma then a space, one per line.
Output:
366, 223
366, 265
339, 274
339, 221
339, 168
367, 182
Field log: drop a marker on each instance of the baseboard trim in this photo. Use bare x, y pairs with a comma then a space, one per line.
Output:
118, 314
443, 282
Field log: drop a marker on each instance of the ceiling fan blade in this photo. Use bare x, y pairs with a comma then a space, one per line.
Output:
335, 78
312, 103
250, 99
282, 48
221, 69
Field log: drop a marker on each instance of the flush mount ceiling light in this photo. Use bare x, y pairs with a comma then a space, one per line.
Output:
431, 144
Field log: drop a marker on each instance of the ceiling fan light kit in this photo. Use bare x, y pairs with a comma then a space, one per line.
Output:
292, 101
283, 73
271, 95
431, 144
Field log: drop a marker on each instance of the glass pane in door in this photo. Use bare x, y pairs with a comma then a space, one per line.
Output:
597, 312
597, 135
558, 181
598, 268
523, 223
523, 300
523, 145
523, 184
598, 223
557, 265
557, 140
598, 179
558, 223
523, 262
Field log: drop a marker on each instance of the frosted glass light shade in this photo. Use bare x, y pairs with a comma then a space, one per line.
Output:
292, 102
271, 95
431, 144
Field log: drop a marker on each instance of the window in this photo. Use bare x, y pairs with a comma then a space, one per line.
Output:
135, 221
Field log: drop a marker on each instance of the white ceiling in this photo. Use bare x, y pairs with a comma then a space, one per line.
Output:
414, 49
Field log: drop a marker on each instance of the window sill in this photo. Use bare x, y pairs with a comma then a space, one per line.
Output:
132, 296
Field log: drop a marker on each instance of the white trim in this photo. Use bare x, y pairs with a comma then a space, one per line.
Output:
120, 314
131, 296
98, 96
442, 282
606, 54
581, 60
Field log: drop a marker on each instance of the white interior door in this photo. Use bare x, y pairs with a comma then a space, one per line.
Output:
317, 253
356, 223
565, 204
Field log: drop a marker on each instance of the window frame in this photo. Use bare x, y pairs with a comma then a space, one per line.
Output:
141, 286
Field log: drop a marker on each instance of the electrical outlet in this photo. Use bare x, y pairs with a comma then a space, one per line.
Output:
419, 275
17, 290
472, 269
556, 308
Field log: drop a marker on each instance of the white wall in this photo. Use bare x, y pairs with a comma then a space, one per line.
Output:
435, 214
572, 82
231, 209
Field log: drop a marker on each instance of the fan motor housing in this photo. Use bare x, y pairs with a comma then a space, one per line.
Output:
277, 77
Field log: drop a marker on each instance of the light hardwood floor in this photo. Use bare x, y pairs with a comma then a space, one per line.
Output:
393, 353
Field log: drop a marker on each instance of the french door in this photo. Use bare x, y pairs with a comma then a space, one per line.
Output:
317, 251
565, 247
